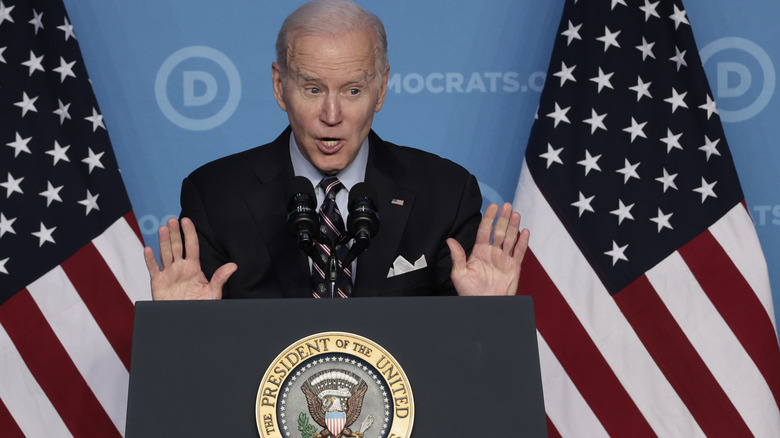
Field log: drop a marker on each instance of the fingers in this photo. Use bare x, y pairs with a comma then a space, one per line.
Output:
191, 245
512, 232
166, 253
506, 228
151, 261
220, 277
457, 254
518, 253
486, 225
171, 244
499, 230
522, 245
177, 246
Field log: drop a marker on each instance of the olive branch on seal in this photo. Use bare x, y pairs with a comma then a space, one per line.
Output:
304, 427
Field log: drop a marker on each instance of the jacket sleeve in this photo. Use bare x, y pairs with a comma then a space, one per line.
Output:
464, 230
192, 206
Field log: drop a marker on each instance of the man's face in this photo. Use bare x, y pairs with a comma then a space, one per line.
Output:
330, 94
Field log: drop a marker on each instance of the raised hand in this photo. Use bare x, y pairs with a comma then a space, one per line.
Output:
180, 277
493, 268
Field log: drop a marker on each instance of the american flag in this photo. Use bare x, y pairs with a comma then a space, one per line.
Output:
71, 262
654, 312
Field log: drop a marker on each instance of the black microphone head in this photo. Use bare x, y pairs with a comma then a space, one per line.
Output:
300, 185
362, 190
302, 207
363, 220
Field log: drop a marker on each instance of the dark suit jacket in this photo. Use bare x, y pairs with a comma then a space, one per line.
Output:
239, 206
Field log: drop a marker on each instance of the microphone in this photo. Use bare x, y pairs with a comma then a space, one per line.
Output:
302, 219
363, 219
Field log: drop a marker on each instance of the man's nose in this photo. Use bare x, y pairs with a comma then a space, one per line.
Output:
331, 110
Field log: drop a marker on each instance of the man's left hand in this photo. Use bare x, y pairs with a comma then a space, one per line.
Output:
493, 268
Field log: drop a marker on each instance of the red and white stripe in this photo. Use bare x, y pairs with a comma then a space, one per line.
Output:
335, 424
680, 352
329, 223
65, 341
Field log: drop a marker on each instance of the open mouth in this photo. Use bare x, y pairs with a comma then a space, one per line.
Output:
329, 145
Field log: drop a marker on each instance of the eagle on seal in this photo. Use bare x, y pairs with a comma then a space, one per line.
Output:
325, 397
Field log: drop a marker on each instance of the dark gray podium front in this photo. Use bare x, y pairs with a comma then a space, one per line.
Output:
472, 362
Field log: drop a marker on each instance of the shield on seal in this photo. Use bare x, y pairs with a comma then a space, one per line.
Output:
335, 422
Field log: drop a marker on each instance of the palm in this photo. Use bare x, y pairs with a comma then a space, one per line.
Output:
487, 269
493, 267
181, 278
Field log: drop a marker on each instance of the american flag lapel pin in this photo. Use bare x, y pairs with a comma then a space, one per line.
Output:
397, 201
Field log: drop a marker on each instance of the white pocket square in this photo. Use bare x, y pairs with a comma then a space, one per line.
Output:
402, 266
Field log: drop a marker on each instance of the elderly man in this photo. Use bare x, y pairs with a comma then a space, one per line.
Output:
331, 77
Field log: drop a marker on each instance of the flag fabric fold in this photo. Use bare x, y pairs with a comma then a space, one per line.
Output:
654, 312
71, 263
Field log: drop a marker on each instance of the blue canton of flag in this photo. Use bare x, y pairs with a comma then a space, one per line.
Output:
70, 264
652, 297
636, 160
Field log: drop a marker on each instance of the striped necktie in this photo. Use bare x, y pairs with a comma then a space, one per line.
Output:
332, 225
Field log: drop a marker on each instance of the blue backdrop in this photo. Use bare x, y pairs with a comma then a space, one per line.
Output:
181, 82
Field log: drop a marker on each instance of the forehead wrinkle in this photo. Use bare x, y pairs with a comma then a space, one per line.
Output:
299, 54
304, 55
361, 78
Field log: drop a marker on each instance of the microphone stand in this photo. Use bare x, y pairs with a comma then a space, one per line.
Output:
331, 267
332, 272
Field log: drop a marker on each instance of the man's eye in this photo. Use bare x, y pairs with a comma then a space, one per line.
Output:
353, 92
314, 90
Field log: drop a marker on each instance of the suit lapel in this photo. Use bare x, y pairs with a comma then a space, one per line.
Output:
395, 203
268, 205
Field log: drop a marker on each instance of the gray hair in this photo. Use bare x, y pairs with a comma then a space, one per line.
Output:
330, 18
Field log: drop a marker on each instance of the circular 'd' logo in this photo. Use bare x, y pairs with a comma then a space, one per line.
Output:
735, 78
199, 88
334, 384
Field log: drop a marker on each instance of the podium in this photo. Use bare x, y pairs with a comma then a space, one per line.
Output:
472, 362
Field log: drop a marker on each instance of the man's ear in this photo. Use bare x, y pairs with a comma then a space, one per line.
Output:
382, 90
278, 83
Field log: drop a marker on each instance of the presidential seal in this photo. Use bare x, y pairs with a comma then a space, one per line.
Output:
334, 385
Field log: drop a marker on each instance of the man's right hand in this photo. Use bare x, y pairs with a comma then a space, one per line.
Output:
180, 278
